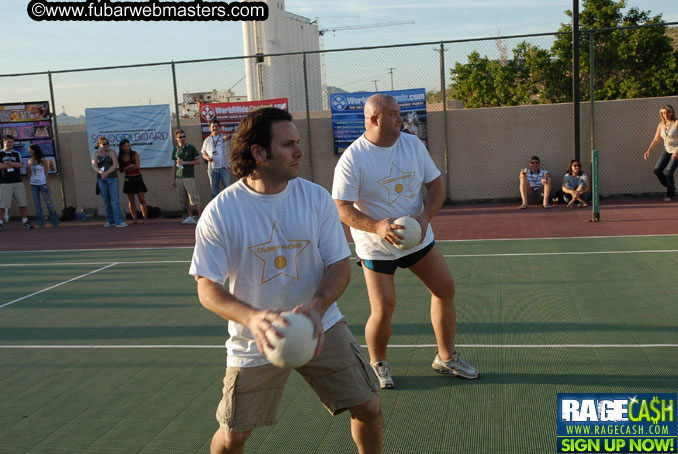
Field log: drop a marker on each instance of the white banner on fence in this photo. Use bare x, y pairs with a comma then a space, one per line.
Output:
146, 127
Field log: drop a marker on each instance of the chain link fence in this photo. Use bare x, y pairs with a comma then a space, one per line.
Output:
498, 110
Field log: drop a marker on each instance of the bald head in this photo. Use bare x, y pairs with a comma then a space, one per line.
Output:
382, 120
377, 104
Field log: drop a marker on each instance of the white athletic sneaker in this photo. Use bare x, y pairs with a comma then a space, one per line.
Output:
122, 224
109, 224
455, 366
188, 220
383, 371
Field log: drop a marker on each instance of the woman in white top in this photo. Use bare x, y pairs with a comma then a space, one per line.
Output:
37, 170
667, 130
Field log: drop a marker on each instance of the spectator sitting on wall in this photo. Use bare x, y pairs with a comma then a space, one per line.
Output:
535, 184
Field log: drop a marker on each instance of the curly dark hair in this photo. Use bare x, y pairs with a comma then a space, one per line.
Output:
254, 129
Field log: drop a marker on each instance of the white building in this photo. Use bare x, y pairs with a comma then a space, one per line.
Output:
191, 101
283, 76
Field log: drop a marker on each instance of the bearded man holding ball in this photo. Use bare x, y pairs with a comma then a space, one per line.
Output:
279, 242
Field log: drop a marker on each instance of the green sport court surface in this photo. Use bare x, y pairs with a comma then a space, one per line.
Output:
118, 356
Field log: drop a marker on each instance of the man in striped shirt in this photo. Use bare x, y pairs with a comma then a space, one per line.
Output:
535, 184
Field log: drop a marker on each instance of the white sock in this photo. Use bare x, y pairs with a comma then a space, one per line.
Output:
24, 220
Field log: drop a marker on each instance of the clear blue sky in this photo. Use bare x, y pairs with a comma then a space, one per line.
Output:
27, 46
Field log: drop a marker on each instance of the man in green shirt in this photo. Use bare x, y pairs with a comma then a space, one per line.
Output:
185, 156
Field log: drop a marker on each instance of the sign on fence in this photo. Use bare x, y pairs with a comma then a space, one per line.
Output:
146, 127
348, 119
229, 114
29, 124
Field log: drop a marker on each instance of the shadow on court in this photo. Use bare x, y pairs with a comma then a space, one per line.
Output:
44, 333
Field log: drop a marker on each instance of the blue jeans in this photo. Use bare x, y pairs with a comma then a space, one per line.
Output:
567, 197
217, 175
666, 180
44, 190
109, 192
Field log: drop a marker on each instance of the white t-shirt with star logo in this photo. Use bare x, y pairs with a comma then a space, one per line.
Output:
273, 249
384, 183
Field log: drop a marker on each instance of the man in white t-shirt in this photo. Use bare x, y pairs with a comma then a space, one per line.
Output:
279, 242
215, 151
379, 178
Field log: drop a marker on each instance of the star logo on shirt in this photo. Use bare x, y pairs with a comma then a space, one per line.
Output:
397, 183
279, 255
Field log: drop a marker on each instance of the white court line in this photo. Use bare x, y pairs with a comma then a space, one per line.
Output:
58, 285
221, 346
99, 249
517, 254
143, 262
437, 241
558, 238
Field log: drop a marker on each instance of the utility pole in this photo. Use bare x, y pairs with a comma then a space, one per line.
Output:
390, 70
375, 84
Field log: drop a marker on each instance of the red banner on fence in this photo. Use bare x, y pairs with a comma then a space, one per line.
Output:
229, 114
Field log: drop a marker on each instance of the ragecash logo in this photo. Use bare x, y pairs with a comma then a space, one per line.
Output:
617, 423
207, 112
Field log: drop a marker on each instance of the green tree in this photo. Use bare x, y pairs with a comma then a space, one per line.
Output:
627, 63
486, 83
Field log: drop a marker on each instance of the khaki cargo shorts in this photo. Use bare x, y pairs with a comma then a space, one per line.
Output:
340, 376
9, 190
187, 191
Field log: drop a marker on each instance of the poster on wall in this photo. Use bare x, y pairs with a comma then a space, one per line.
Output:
29, 123
348, 119
27, 111
229, 114
147, 128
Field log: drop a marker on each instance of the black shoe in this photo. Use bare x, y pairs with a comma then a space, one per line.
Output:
27, 225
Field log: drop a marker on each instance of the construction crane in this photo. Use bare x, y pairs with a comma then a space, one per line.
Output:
322, 32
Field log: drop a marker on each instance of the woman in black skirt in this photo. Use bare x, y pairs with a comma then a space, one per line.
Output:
134, 182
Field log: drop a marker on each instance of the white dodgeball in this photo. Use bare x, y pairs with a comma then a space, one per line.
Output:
411, 233
297, 345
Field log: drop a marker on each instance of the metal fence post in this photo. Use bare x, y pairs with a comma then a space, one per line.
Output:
575, 77
448, 195
592, 88
176, 96
596, 190
57, 152
308, 116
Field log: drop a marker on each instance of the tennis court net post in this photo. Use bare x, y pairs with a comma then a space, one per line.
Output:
595, 192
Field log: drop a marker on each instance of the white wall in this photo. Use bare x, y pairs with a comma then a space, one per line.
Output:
283, 76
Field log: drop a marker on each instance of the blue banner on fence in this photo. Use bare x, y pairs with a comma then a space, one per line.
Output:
616, 423
146, 127
348, 119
